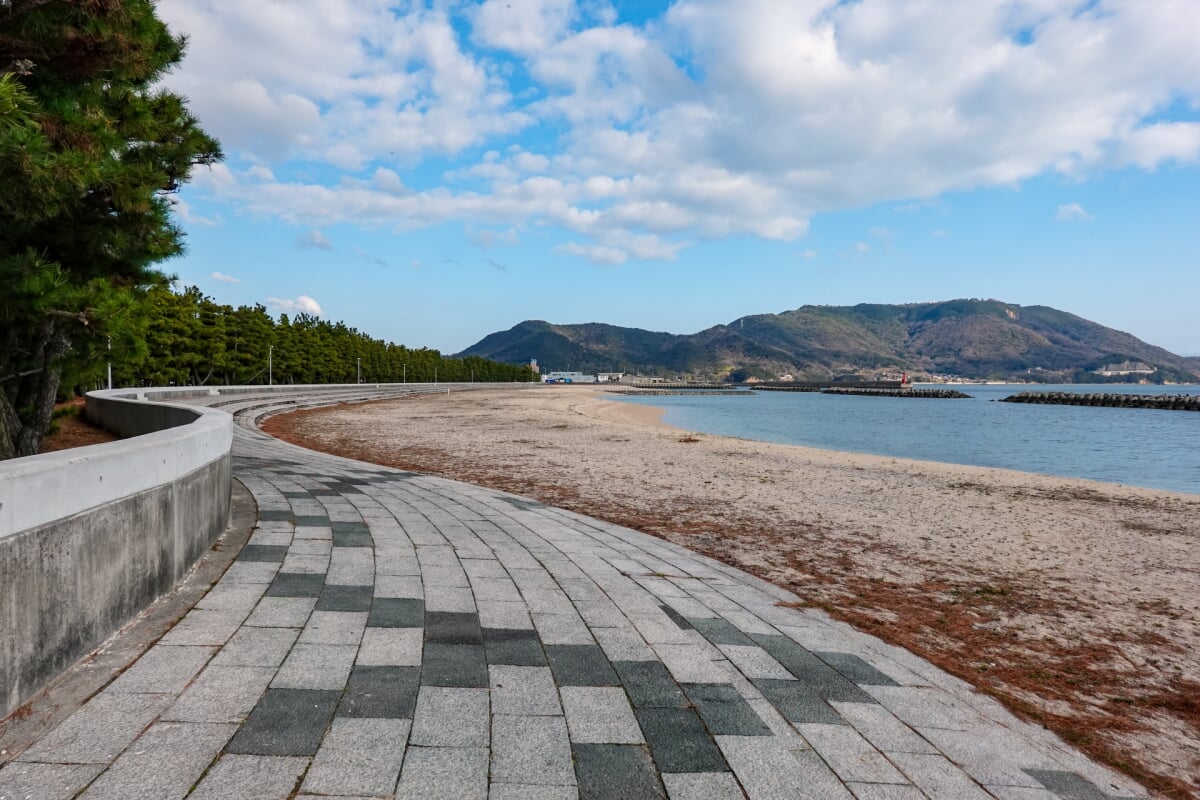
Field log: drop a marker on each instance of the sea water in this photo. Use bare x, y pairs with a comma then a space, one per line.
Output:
1133, 446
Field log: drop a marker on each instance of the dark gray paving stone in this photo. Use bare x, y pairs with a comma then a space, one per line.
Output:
650, 684
721, 631
616, 772
312, 521
263, 552
325, 493
798, 702
345, 598
460, 665
811, 671
381, 692
356, 481
1067, 785
451, 627
296, 495
275, 515
396, 612
296, 584
344, 488
513, 647
676, 617
679, 742
580, 665
286, 722
352, 539
724, 711
856, 669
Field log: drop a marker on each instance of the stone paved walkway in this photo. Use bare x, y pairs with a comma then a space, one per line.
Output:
386, 634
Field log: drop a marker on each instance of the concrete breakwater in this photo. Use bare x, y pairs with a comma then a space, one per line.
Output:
940, 394
1168, 402
682, 392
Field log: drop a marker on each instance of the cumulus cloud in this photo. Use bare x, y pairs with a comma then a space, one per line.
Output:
300, 305
221, 277
314, 239
1072, 212
715, 119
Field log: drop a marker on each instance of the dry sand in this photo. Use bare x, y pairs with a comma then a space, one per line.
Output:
1075, 602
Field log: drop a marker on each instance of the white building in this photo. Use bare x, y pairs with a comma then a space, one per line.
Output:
568, 377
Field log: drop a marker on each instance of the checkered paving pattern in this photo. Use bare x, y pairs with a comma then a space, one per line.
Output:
391, 635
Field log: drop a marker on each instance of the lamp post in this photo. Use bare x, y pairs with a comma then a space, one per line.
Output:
270, 365
435, 376
359, 360
110, 363
404, 373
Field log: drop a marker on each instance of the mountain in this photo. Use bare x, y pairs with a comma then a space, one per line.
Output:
969, 338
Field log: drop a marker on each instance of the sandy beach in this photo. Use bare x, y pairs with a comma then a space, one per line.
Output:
1077, 603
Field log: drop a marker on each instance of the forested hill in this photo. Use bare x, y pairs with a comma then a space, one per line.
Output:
986, 339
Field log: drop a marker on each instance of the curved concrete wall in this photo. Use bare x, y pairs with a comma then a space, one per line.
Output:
89, 537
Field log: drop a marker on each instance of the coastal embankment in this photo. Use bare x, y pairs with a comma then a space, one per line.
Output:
1077, 603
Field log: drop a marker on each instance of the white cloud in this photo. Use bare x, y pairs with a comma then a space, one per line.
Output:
1072, 212
862, 248
300, 305
185, 213
223, 278
808, 255
597, 254
521, 26
314, 239
488, 238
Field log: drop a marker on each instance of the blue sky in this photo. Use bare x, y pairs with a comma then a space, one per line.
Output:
431, 172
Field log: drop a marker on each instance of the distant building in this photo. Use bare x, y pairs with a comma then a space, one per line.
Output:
1127, 368
533, 366
609, 377
568, 377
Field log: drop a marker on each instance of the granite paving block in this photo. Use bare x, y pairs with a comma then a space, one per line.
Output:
351, 538
351, 566
444, 773
201, 627
312, 521
398, 586
501, 590
599, 715
679, 741
262, 552
525, 791
937, 777
533, 750
334, 627
296, 563
649, 684
390, 647
163, 669
270, 514
250, 572
854, 668
273, 538
358, 757
502, 614
723, 710
286, 722
231, 597
616, 772
689, 663
19, 781
702, 786
345, 598
675, 617
811, 671
381, 693
798, 702
313, 532
315, 666
580, 665
443, 627
882, 729
562, 629
311, 547
397, 612
1067, 785
447, 717
513, 647
624, 644
221, 695
766, 769
849, 755
164, 762
440, 598
523, 690
990, 756
296, 584
888, 791
450, 576
461, 665
755, 663
258, 647
237, 777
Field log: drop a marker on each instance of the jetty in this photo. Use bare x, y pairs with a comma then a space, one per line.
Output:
1166, 402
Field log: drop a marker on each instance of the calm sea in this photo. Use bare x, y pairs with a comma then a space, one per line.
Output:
1139, 447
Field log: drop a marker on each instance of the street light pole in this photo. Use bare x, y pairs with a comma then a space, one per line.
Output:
359, 360
270, 365
435, 376
110, 363
404, 373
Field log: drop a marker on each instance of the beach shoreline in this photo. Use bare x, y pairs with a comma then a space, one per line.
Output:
1076, 602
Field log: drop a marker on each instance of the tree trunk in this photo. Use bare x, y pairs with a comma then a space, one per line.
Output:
10, 428
45, 390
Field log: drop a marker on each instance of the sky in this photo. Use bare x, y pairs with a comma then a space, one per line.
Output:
432, 172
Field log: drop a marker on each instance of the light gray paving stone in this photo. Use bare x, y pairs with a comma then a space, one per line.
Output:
525, 791
164, 762
281, 612
623, 644
305, 564
990, 755
221, 694
272, 538
351, 566
448, 576
399, 567
440, 598
531, 750
922, 707
497, 589
702, 786
316, 666
358, 757
523, 690
602, 613
849, 755
769, 771
311, 547
391, 647
658, 629
689, 663
334, 627
257, 647
232, 596
408, 586
937, 777
451, 717
747, 622
755, 663
882, 729
250, 572
599, 715
314, 532
201, 627
1021, 793
444, 773
562, 629
547, 600
237, 777
503, 614
486, 567
20, 781
690, 608
162, 669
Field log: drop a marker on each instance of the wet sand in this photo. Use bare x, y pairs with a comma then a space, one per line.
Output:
1075, 602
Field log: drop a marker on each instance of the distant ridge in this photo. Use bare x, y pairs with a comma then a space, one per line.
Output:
980, 339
